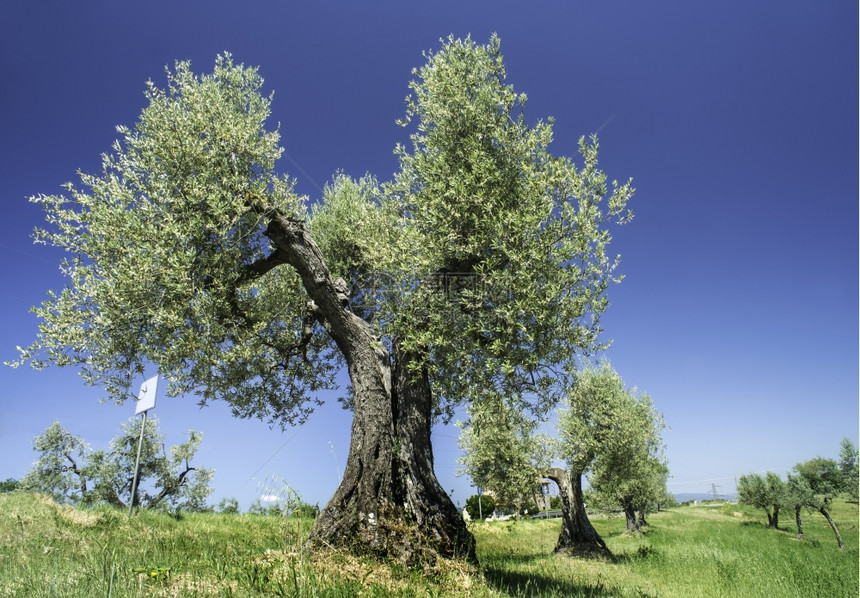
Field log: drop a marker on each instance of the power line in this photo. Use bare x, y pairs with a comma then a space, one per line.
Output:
266, 462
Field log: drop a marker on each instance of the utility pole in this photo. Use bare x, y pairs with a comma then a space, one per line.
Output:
714, 491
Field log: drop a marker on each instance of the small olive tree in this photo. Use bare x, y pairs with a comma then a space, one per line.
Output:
848, 464
768, 493
823, 481
631, 470
602, 425
502, 452
69, 471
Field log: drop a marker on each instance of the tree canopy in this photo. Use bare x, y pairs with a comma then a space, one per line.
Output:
502, 451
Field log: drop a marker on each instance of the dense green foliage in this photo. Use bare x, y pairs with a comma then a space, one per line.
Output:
68, 471
487, 200
689, 552
620, 432
502, 452
8, 485
161, 249
603, 428
848, 465
170, 262
228, 505
480, 505
767, 492
479, 270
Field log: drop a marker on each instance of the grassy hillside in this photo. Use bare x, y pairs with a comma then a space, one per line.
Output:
710, 550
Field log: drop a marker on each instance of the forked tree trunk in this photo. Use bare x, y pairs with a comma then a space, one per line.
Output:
772, 518
577, 536
389, 502
824, 512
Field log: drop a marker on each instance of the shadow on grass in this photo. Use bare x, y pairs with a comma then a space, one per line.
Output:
535, 584
529, 585
643, 553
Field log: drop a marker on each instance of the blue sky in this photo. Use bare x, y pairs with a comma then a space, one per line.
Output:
737, 120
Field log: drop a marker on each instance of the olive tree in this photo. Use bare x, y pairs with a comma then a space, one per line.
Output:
768, 493
848, 465
603, 428
586, 423
631, 471
69, 471
800, 495
60, 470
822, 479
502, 451
482, 265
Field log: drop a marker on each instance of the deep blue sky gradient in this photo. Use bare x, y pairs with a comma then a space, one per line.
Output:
737, 120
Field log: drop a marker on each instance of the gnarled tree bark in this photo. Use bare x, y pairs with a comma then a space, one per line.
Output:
439, 524
577, 536
389, 502
630, 515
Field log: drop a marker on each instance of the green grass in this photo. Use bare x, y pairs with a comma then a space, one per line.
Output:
707, 551
710, 550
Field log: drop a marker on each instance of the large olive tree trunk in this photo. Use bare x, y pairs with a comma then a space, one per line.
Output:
439, 525
577, 536
389, 502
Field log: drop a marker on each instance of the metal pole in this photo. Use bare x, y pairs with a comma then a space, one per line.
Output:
136, 465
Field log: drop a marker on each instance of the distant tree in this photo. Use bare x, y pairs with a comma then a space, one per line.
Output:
631, 471
666, 500
824, 479
228, 505
307, 510
614, 432
68, 471
801, 496
9, 485
501, 451
257, 508
487, 502
61, 469
274, 509
848, 464
768, 493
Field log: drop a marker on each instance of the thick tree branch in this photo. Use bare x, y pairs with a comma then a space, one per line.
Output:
81, 477
256, 269
169, 488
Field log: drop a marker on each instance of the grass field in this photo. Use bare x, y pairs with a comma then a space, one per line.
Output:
49, 550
